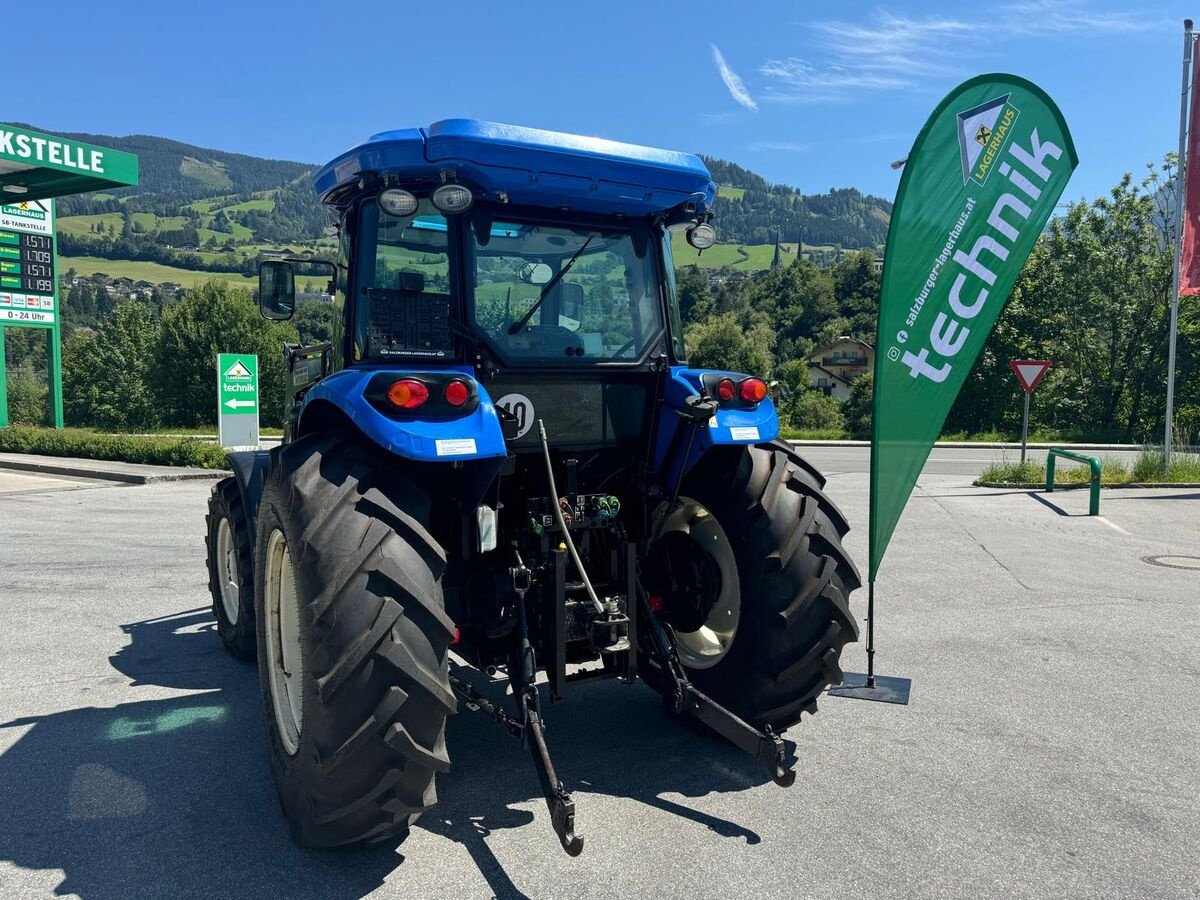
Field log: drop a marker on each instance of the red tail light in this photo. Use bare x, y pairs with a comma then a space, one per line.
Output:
726, 390
753, 390
407, 394
457, 393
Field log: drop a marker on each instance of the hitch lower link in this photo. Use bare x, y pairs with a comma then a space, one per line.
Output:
529, 728
683, 698
665, 673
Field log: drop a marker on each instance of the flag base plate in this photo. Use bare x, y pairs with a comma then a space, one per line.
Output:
887, 689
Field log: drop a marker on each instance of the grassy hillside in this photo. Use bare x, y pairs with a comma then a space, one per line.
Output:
145, 271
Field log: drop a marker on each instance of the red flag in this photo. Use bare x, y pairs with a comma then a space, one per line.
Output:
1189, 267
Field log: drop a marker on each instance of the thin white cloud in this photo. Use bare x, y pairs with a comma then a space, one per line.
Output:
1050, 17
737, 88
891, 52
779, 146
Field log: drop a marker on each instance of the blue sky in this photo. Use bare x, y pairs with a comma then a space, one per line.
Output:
816, 95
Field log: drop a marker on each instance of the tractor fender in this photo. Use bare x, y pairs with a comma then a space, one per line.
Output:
250, 469
471, 436
731, 425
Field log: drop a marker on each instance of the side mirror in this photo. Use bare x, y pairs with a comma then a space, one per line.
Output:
536, 273
276, 289
570, 300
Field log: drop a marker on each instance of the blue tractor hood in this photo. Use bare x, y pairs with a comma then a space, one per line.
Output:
531, 167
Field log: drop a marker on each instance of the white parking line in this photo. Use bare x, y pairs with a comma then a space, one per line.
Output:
1113, 525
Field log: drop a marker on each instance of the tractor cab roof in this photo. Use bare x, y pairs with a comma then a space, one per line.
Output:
528, 166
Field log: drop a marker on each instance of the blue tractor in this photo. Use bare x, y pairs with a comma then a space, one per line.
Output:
504, 455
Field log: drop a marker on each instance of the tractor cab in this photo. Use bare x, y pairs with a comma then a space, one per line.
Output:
505, 250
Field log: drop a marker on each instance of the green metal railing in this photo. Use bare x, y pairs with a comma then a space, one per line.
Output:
1094, 487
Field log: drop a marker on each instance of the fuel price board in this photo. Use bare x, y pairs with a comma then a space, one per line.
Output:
27, 264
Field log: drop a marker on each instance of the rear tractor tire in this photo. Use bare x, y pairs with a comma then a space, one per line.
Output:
753, 578
231, 569
353, 642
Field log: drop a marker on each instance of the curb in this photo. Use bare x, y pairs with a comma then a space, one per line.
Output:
986, 445
77, 471
1041, 486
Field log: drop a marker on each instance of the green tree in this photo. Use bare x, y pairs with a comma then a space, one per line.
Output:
210, 319
721, 343
1094, 298
106, 375
857, 408
695, 299
315, 322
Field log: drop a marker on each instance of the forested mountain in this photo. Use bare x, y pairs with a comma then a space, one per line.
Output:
271, 201
755, 212
173, 168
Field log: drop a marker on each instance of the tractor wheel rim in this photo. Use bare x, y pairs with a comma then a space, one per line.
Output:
227, 572
284, 663
708, 644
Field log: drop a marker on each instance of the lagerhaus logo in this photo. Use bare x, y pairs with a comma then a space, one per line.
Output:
982, 133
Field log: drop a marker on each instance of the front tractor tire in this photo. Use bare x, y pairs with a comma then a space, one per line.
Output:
353, 642
758, 599
231, 569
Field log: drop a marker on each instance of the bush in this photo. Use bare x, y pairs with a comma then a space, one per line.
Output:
27, 398
1005, 472
813, 410
1151, 466
121, 448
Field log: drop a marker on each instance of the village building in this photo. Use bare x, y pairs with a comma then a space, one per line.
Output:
833, 367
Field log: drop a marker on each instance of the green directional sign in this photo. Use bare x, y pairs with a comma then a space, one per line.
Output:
237, 399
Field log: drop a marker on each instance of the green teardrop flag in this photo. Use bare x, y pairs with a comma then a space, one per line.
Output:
981, 181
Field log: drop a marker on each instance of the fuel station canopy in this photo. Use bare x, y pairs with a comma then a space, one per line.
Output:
34, 169
36, 166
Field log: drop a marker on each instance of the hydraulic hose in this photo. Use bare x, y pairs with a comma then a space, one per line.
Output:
558, 517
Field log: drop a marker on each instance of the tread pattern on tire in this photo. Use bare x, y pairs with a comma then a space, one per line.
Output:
375, 643
796, 579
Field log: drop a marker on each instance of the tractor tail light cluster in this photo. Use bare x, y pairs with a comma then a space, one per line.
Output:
753, 390
407, 393
422, 395
457, 393
748, 391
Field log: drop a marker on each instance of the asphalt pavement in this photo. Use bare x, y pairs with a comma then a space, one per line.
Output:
1049, 749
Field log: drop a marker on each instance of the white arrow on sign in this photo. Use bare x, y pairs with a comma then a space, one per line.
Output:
238, 404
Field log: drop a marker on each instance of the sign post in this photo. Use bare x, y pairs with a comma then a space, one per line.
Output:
237, 399
29, 289
1030, 373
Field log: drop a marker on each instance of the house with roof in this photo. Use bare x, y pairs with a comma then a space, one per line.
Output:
833, 367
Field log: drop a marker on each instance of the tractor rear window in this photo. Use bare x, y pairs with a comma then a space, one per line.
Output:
405, 308
564, 294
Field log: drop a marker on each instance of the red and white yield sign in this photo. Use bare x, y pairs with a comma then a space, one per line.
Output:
1030, 372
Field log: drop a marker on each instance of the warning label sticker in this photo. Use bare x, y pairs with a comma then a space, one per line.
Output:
455, 447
